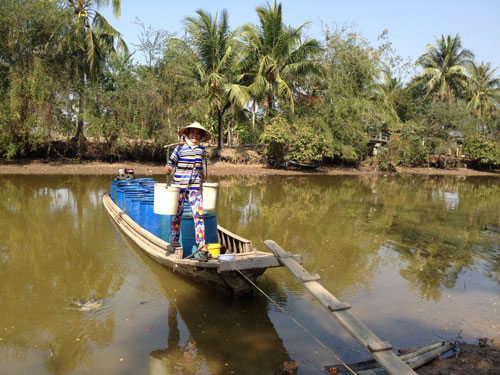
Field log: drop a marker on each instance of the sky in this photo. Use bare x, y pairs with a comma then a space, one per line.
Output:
411, 24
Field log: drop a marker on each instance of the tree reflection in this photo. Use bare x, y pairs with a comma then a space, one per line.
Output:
50, 228
435, 225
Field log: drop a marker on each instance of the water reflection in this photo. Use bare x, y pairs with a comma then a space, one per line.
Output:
434, 224
221, 335
411, 254
49, 230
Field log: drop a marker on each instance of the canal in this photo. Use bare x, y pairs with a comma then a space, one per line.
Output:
418, 258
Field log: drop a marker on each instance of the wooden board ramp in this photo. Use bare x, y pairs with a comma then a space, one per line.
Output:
414, 359
380, 350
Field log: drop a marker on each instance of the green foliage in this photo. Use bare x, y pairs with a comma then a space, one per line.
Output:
444, 68
65, 70
443, 121
485, 91
30, 104
274, 55
404, 149
286, 140
482, 151
347, 109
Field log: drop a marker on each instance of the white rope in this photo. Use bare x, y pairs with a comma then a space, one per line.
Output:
295, 321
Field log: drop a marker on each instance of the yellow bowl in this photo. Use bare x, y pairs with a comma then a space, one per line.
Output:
214, 249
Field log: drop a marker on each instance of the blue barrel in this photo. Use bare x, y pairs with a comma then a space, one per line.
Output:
134, 208
144, 179
115, 185
165, 222
123, 191
187, 237
147, 218
112, 189
129, 196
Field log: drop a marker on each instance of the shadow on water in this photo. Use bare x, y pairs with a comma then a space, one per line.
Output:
223, 334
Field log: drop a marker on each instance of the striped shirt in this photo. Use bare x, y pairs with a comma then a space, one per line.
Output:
188, 164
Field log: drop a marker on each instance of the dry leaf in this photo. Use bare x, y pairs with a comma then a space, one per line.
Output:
290, 367
333, 371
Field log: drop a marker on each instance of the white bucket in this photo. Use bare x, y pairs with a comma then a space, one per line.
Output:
209, 193
166, 199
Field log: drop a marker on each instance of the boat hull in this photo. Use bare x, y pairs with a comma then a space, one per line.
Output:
236, 277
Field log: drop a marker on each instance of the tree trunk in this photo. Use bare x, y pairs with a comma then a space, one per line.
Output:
219, 115
254, 107
79, 128
269, 99
79, 136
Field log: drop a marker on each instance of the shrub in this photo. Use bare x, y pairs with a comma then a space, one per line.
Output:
404, 150
290, 141
482, 151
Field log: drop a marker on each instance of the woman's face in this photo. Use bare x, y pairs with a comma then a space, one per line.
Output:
195, 135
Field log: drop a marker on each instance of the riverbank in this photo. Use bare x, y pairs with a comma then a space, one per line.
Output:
46, 167
481, 359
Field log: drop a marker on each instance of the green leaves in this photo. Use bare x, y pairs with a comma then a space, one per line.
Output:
482, 151
444, 68
275, 56
286, 140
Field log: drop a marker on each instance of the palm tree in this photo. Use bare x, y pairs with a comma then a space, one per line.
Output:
444, 66
90, 40
387, 90
215, 47
274, 54
485, 90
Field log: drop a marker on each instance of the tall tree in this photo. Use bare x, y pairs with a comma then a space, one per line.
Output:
274, 54
90, 39
214, 44
484, 89
444, 67
387, 90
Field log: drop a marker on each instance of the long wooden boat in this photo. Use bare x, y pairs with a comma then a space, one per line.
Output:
303, 165
235, 276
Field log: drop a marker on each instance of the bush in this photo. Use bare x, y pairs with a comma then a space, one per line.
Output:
404, 150
290, 141
482, 151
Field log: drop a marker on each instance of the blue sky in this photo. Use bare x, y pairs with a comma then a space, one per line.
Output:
411, 24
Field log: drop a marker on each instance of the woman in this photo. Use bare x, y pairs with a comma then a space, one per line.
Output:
187, 160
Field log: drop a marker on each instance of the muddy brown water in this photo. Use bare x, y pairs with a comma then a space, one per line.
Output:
418, 258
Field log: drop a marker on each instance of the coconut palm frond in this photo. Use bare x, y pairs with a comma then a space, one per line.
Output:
444, 67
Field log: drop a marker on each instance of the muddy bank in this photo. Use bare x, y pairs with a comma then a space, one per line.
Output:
214, 168
481, 359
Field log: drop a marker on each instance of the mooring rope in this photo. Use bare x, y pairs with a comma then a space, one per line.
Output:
295, 321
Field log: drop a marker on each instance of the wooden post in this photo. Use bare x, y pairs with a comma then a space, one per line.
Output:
381, 351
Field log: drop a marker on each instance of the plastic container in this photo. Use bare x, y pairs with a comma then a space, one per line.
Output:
187, 237
166, 199
135, 207
147, 218
129, 196
214, 249
209, 193
226, 257
115, 185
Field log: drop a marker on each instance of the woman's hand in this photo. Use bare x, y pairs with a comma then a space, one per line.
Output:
169, 170
202, 178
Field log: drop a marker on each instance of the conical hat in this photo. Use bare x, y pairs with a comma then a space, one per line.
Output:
196, 125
